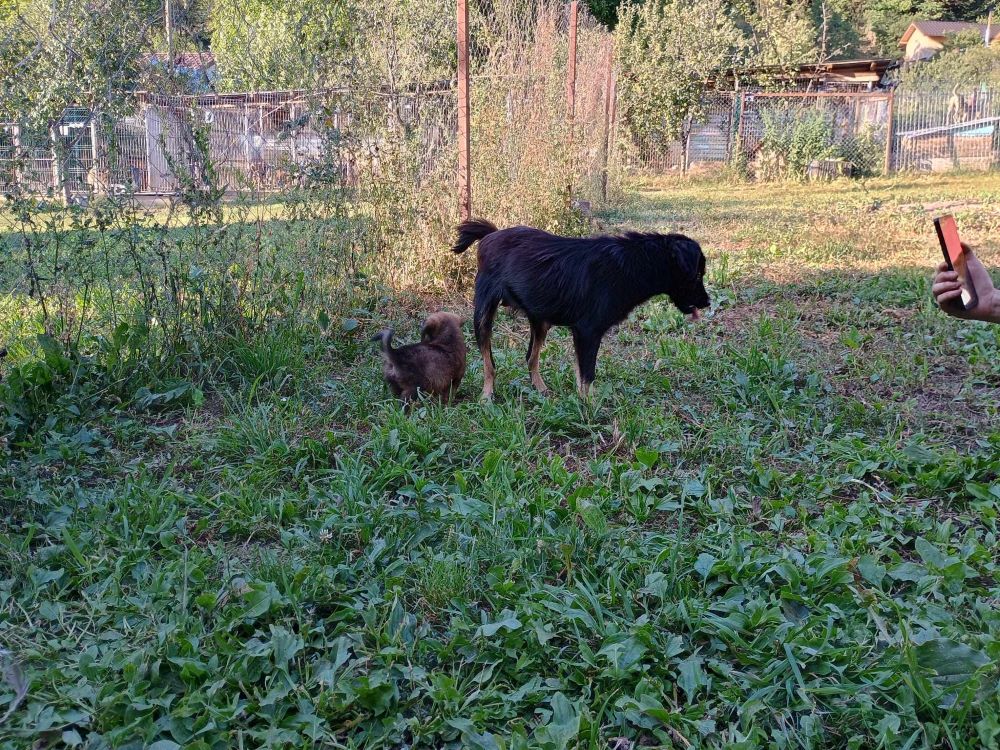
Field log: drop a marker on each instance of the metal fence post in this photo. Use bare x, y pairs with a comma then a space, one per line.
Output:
59, 177
19, 158
464, 140
571, 93
98, 181
738, 151
606, 140
890, 133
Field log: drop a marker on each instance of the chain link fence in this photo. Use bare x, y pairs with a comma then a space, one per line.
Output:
812, 135
768, 136
530, 153
941, 130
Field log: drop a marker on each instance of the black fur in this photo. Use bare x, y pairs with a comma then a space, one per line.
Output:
587, 285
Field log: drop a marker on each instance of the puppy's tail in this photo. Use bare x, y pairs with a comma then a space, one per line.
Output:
384, 337
471, 231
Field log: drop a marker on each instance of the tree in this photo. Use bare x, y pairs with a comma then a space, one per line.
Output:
888, 19
272, 44
782, 32
840, 28
56, 53
668, 50
605, 11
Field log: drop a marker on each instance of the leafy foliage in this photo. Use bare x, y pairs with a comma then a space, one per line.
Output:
667, 52
782, 33
56, 54
277, 45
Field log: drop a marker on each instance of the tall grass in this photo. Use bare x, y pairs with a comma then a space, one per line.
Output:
139, 296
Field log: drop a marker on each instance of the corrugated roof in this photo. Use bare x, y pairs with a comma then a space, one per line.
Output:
944, 28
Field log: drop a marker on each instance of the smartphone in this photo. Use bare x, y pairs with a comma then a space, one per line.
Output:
954, 255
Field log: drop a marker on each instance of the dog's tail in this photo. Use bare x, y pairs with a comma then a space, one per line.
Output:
384, 337
471, 231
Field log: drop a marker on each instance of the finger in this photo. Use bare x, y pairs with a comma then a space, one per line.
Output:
945, 286
946, 276
943, 267
945, 297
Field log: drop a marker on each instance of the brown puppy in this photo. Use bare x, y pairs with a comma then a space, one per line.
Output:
435, 366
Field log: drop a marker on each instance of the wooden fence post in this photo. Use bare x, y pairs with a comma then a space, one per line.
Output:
890, 133
464, 140
571, 93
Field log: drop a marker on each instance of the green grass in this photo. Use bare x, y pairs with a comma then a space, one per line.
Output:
775, 529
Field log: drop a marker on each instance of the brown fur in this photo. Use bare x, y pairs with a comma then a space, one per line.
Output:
435, 366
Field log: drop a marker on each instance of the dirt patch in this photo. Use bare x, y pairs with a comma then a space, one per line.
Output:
741, 316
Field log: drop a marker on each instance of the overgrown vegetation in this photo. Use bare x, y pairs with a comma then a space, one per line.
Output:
777, 528
668, 51
796, 139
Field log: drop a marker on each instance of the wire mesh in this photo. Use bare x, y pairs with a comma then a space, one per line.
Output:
937, 130
709, 143
813, 135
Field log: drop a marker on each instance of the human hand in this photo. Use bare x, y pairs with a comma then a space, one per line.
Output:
947, 291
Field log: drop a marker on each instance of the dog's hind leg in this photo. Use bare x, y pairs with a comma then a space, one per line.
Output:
538, 333
586, 345
485, 312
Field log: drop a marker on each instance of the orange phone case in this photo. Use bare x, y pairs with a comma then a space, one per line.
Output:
954, 255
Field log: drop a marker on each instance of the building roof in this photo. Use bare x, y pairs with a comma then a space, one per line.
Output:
944, 28
873, 64
834, 73
191, 60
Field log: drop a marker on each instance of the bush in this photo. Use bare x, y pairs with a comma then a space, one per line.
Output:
792, 140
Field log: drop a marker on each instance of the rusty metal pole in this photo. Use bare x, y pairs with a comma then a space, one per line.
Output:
571, 94
606, 141
464, 141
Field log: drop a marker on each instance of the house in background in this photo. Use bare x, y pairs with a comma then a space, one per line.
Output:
923, 39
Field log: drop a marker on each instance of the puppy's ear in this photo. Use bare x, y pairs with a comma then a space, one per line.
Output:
430, 330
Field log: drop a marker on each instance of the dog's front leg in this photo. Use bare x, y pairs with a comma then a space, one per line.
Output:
585, 345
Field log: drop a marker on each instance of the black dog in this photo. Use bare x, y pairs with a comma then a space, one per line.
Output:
588, 285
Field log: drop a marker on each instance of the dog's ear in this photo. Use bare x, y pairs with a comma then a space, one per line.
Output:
430, 329
689, 255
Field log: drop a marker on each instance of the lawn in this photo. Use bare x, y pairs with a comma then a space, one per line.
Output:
774, 528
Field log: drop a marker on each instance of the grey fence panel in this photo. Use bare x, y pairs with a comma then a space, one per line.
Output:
256, 141
709, 142
804, 134
270, 141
